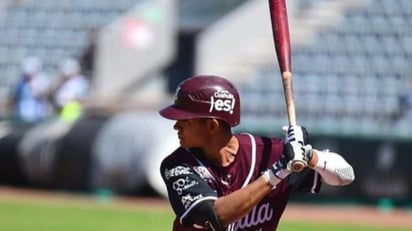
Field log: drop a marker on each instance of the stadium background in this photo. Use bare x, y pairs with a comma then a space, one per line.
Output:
351, 65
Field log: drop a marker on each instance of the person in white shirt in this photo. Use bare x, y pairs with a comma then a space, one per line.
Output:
73, 86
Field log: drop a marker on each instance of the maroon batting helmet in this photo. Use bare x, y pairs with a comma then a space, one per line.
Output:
205, 96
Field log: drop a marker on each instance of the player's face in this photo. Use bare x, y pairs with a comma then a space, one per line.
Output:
191, 133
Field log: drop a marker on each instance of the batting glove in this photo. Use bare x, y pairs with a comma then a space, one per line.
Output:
276, 173
295, 133
295, 151
279, 170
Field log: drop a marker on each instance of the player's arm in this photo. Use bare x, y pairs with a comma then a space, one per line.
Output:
332, 167
197, 204
234, 206
190, 196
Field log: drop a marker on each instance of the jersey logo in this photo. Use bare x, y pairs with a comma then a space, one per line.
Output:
259, 215
227, 180
222, 100
183, 184
188, 199
177, 171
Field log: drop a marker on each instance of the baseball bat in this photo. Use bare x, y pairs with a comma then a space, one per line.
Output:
280, 30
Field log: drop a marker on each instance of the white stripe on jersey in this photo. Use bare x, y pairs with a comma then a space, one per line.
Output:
252, 168
253, 162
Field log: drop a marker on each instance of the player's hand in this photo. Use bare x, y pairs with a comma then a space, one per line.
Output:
295, 151
281, 168
295, 133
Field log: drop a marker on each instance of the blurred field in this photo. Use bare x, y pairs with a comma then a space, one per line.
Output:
44, 211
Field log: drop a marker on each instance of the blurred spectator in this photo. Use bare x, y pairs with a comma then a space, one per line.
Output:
29, 96
72, 86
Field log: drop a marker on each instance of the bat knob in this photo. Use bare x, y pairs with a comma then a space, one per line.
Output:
298, 165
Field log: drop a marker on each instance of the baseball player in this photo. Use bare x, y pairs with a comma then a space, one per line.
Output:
217, 180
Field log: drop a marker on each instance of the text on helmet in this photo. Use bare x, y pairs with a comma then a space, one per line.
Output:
222, 100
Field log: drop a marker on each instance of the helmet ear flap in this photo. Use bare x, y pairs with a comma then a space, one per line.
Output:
205, 96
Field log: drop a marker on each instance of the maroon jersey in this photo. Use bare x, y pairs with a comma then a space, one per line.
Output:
191, 179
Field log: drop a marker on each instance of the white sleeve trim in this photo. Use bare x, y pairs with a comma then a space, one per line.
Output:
333, 169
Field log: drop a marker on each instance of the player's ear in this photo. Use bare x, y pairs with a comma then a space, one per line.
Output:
212, 124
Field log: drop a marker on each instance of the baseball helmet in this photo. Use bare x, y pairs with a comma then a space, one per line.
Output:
205, 96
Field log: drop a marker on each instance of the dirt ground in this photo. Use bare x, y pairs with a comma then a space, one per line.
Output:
294, 212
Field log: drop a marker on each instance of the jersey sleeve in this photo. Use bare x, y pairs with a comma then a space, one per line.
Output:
186, 190
306, 181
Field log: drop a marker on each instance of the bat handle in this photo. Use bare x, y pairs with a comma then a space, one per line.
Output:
288, 91
297, 165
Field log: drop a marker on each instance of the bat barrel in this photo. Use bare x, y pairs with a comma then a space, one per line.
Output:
280, 30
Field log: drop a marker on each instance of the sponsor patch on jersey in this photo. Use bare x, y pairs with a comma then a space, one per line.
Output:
188, 199
183, 184
177, 171
222, 101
